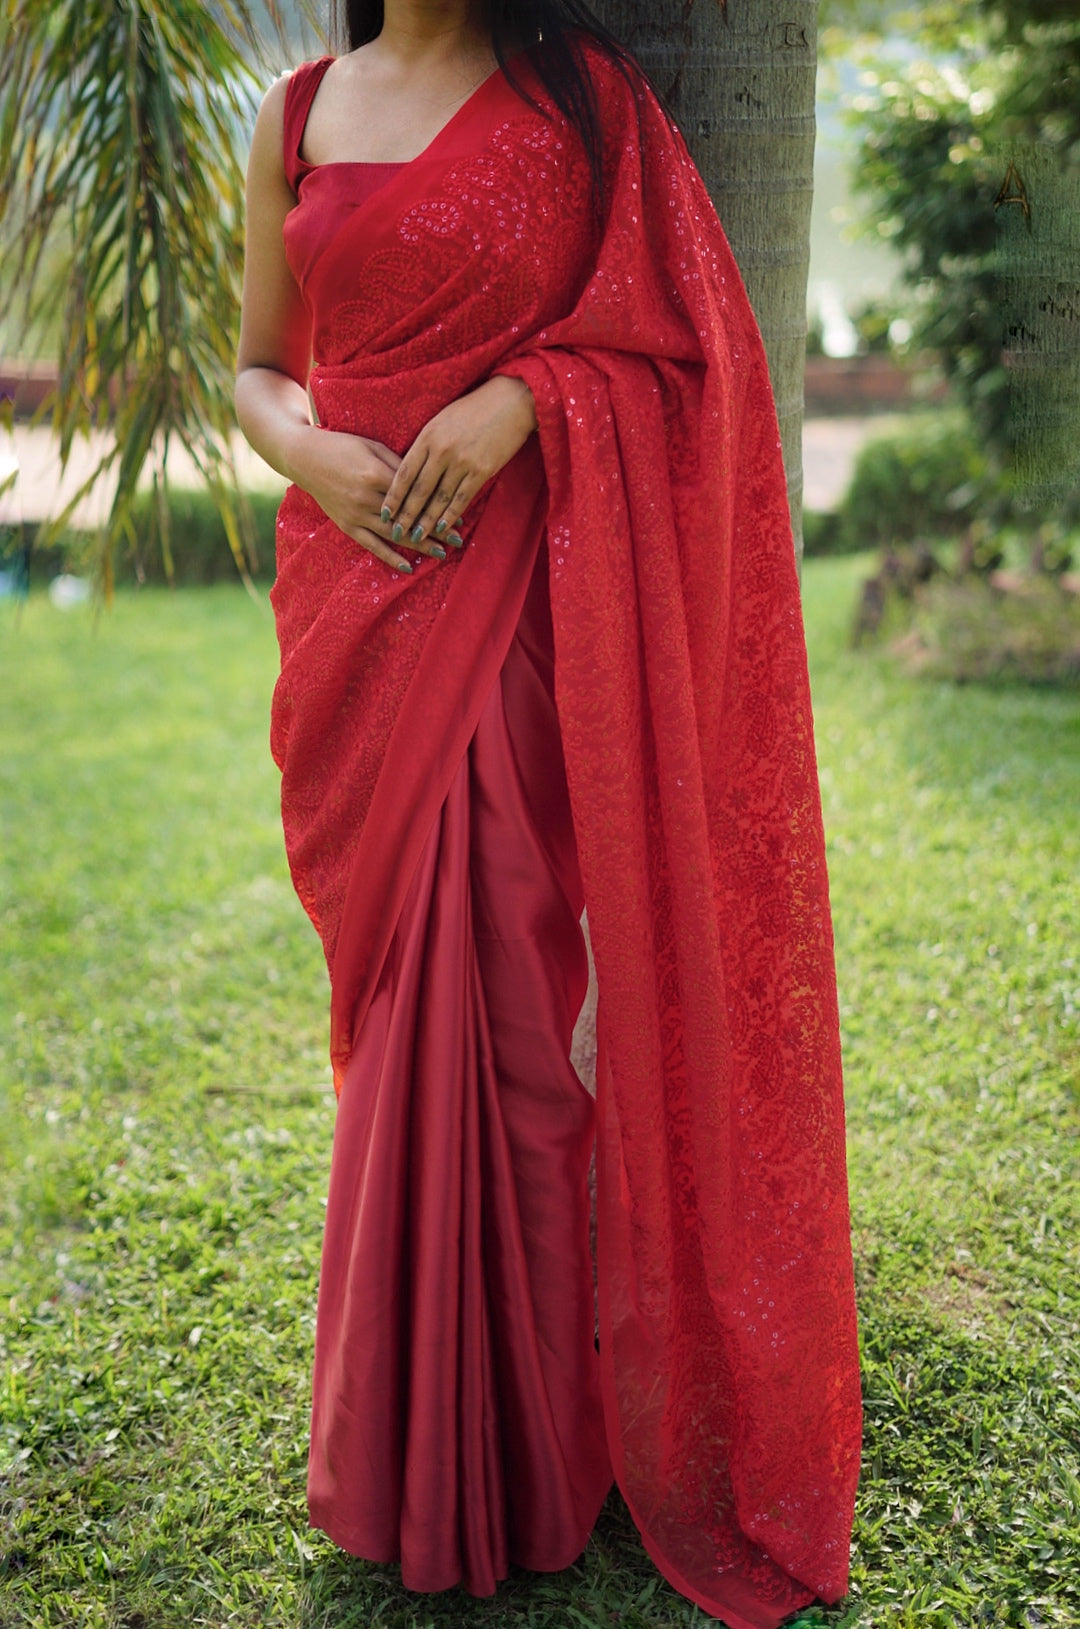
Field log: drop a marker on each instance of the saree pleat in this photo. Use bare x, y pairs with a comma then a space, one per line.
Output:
457, 1423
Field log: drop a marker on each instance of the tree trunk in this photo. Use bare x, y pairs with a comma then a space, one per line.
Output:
740, 81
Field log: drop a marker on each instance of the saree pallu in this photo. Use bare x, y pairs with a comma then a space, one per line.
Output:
653, 503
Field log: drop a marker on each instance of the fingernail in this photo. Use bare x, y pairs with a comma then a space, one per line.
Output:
398, 533
441, 527
384, 514
440, 554
403, 565
456, 540
417, 534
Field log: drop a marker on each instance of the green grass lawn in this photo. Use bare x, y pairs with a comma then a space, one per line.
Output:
167, 1116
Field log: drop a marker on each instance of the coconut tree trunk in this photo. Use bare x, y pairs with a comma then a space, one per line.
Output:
740, 80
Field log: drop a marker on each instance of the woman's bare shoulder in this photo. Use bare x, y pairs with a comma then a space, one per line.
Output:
267, 159
270, 119
272, 106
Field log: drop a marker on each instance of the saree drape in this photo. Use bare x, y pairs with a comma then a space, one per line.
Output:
653, 498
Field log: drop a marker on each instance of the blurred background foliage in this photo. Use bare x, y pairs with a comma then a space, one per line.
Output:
937, 137
123, 126
966, 155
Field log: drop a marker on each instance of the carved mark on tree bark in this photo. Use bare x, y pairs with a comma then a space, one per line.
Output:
1013, 191
746, 98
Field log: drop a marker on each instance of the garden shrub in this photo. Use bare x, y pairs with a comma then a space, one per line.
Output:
926, 480
197, 539
970, 631
822, 534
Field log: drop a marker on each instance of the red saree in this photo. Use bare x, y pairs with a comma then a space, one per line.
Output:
640, 543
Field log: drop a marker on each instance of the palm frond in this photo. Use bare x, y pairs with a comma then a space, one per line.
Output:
124, 125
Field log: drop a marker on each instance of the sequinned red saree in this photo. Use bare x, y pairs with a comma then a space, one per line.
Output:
602, 700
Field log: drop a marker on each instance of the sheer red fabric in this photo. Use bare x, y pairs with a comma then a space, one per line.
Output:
727, 1335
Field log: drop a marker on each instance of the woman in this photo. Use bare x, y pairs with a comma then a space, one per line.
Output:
541, 648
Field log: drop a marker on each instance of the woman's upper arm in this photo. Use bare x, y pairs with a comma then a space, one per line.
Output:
275, 330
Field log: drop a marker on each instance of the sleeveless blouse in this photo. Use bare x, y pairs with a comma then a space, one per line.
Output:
324, 192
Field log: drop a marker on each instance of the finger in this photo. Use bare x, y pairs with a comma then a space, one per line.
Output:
422, 492
399, 488
448, 522
436, 505
382, 551
428, 545
385, 453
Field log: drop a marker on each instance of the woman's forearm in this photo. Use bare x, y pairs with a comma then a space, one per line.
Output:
347, 475
274, 413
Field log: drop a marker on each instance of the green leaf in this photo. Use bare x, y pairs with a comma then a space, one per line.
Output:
121, 225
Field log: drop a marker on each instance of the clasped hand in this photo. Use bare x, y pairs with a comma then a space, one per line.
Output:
381, 500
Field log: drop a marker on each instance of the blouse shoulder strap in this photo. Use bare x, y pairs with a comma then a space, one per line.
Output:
300, 91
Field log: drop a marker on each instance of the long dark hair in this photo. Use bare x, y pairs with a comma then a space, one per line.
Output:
549, 33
